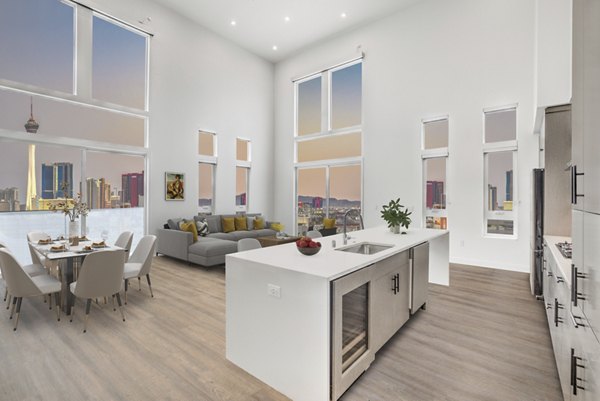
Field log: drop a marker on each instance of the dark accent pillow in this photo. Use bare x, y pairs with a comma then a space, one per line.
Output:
166, 226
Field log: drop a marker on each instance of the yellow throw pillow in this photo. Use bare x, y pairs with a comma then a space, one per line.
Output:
189, 226
277, 226
240, 223
328, 223
259, 223
228, 224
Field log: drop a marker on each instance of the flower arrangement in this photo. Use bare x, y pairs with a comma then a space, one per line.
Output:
71, 208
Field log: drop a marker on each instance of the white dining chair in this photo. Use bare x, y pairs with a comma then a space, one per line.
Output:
140, 263
100, 275
32, 270
22, 285
314, 234
33, 237
247, 244
124, 241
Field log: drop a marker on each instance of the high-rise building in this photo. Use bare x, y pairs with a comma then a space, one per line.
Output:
435, 198
133, 188
104, 187
509, 185
10, 198
31, 126
57, 180
317, 202
492, 197
47, 181
92, 193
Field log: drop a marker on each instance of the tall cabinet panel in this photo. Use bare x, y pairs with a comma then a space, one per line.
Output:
591, 105
577, 107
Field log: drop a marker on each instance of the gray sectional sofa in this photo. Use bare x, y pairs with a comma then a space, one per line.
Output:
211, 249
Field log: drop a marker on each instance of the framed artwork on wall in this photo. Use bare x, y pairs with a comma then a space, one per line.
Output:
174, 186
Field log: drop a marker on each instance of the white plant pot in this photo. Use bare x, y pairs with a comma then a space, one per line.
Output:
74, 229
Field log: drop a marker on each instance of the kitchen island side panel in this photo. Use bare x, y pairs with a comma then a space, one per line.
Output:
439, 254
282, 341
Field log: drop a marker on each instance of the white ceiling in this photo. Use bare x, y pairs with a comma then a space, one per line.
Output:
260, 24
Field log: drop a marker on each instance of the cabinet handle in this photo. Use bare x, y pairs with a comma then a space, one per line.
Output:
397, 283
575, 294
550, 273
557, 306
548, 305
559, 279
574, 366
574, 175
575, 319
394, 278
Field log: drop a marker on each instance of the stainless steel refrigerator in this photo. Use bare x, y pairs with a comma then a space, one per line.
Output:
537, 241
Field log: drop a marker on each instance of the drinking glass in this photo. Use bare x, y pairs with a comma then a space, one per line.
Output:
104, 235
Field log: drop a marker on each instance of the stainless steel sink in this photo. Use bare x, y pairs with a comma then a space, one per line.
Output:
365, 248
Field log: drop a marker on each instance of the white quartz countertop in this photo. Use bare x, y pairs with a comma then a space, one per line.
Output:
563, 263
330, 263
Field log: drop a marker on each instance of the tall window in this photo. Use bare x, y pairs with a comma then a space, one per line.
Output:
207, 163
500, 158
328, 146
242, 174
81, 95
435, 156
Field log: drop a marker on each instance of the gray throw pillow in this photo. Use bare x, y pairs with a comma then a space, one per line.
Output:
174, 223
214, 223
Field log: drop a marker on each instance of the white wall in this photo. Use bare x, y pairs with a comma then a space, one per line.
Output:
436, 57
199, 80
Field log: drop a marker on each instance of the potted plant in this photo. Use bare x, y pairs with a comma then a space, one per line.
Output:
395, 216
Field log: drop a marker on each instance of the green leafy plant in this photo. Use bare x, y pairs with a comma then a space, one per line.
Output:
394, 214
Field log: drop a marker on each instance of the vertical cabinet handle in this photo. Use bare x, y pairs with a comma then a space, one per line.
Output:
576, 296
574, 365
396, 283
557, 306
574, 175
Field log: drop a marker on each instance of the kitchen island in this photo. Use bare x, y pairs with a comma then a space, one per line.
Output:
279, 304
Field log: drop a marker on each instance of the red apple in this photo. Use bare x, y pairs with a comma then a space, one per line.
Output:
312, 244
303, 244
319, 244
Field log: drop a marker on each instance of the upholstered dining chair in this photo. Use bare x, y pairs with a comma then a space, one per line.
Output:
22, 285
247, 244
100, 275
32, 270
34, 237
314, 234
124, 241
140, 262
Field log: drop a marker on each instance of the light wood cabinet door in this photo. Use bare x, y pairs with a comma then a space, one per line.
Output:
577, 107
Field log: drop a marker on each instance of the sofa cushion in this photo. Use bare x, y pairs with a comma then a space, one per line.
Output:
240, 223
250, 223
214, 223
189, 226
228, 224
238, 235
202, 227
265, 232
259, 223
213, 247
226, 236
174, 223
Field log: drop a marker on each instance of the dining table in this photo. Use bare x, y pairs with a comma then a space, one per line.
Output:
69, 258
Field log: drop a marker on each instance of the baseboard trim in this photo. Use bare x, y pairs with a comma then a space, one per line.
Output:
491, 264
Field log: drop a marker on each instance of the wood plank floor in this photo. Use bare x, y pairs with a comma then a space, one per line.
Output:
482, 338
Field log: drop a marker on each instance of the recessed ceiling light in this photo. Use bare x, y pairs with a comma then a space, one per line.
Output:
343, 15
233, 22
286, 19
275, 47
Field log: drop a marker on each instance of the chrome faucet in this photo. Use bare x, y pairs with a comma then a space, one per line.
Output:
362, 225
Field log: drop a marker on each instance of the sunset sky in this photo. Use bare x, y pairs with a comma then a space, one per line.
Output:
37, 47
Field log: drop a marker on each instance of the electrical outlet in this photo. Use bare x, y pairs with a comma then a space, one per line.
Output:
274, 290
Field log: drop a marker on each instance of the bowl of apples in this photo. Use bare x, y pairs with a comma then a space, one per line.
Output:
307, 246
